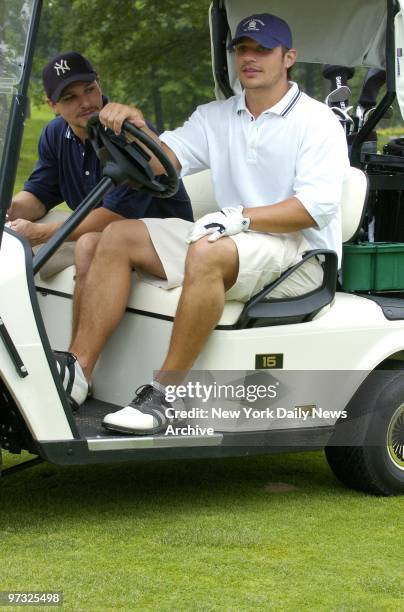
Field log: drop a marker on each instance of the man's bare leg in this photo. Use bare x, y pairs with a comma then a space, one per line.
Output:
83, 255
210, 270
124, 245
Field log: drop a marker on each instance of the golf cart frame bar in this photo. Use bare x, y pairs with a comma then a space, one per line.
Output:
15, 128
390, 95
93, 198
220, 30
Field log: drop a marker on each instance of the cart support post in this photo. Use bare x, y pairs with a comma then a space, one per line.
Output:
94, 197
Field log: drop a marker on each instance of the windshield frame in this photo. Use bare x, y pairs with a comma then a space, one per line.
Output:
17, 116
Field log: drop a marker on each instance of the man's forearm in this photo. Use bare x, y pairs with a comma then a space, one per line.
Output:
45, 231
287, 216
38, 233
25, 205
155, 164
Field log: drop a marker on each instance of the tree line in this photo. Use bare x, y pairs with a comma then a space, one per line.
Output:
149, 53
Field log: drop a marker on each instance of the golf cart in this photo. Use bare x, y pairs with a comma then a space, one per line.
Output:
331, 362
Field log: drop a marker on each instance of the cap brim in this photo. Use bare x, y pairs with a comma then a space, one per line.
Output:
88, 78
268, 42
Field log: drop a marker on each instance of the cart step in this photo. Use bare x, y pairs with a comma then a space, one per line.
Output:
89, 419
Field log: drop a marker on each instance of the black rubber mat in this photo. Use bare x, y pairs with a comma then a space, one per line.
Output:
89, 418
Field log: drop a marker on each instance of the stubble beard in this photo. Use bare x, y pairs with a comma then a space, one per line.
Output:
268, 84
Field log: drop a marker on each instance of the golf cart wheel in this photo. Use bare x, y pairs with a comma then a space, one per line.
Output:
376, 464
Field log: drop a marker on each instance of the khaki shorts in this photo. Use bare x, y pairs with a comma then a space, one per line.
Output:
262, 259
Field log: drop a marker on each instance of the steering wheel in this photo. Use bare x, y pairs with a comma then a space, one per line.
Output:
127, 163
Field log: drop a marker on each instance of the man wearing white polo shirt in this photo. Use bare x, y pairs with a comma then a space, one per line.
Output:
278, 159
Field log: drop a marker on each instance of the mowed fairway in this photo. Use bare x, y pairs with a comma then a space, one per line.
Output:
29, 151
261, 533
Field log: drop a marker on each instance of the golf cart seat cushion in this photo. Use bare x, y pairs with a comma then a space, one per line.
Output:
200, 190
143, 297
353, 201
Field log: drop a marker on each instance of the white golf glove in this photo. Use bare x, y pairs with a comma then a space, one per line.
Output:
226, 222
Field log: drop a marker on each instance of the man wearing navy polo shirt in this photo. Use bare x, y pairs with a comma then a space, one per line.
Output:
68, 168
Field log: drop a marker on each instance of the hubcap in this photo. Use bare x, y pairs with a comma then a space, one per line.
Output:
395, 438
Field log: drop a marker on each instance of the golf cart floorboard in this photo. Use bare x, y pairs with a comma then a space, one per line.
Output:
90, 415
89, 418
89, 424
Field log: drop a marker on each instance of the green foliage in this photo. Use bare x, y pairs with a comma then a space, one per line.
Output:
158, 60
148, 53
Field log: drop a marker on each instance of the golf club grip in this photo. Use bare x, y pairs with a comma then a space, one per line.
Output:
374, 81
338, 75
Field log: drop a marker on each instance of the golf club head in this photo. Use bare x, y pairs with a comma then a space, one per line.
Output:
346, 120
341, 94
387, 115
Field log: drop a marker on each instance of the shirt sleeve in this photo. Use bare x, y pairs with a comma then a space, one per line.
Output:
321, 167
44, 180
190, 144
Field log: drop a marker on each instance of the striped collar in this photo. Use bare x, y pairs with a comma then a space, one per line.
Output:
281, 108
68, 133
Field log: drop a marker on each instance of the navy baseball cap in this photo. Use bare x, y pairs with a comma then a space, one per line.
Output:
267, 30
64, 69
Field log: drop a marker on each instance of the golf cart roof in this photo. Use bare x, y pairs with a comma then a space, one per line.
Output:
347, 32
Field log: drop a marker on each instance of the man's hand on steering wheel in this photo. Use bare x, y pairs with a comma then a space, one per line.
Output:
138, 158
113, 115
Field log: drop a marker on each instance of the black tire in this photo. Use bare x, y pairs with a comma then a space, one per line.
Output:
366, 452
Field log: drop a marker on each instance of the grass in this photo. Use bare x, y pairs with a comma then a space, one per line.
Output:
40, 116
33, 127
262, 533
201, 535
384, 135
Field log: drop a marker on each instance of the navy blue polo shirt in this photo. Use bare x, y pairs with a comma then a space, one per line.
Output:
67, 170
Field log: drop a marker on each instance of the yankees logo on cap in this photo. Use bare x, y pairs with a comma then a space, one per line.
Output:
63, 66
64, 69
267, 30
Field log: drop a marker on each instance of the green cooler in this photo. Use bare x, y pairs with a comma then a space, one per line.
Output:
373, 266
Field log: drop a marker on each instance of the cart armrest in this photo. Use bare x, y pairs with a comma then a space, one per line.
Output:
262, 310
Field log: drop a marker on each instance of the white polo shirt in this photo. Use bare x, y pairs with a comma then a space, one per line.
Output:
296, 148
